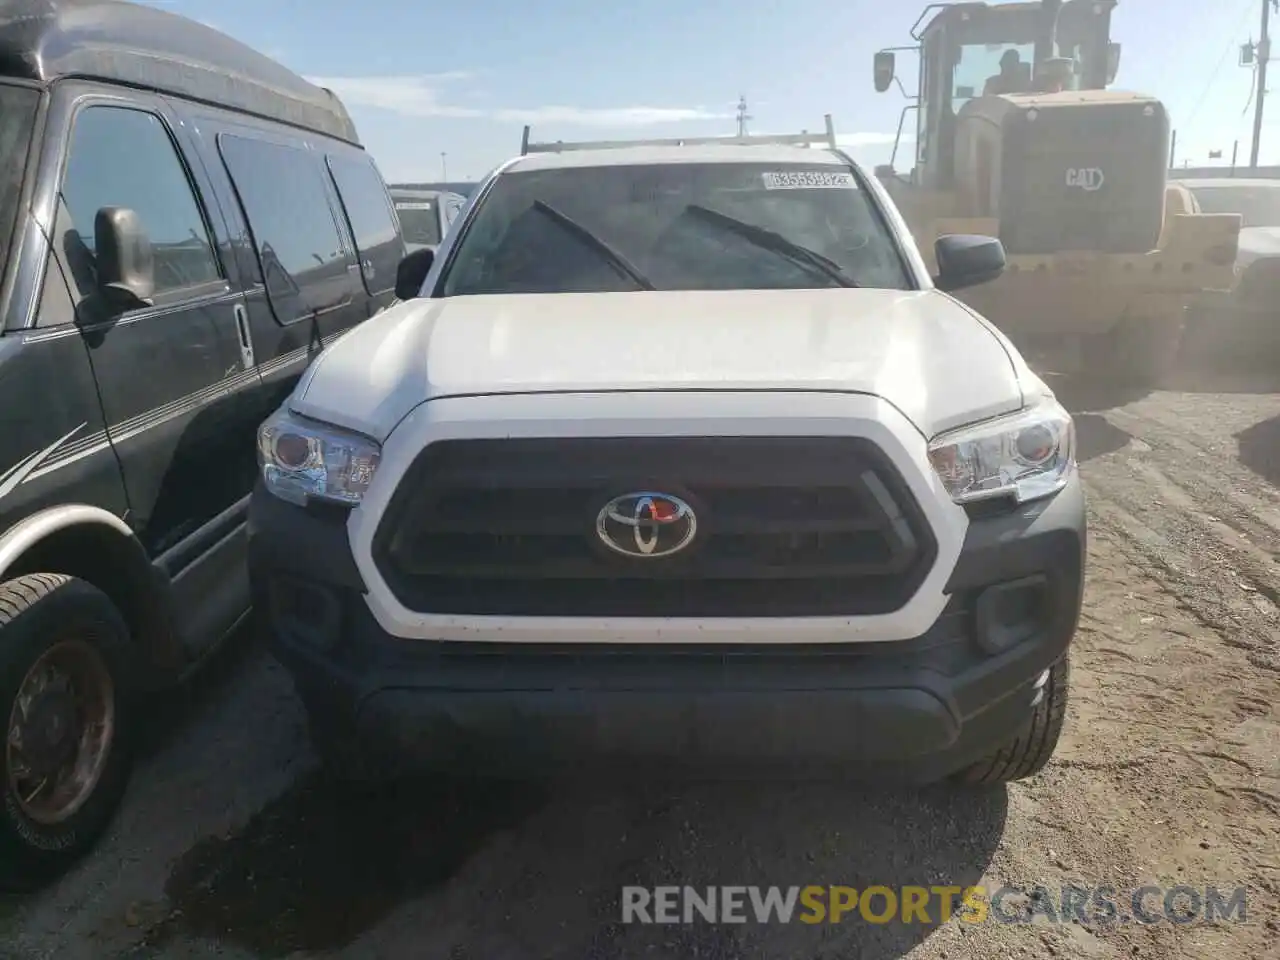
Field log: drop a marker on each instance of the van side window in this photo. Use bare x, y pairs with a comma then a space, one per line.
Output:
286, 202
18, 107
371, 219
123, 157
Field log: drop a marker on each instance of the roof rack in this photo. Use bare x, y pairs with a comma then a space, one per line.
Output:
802, 139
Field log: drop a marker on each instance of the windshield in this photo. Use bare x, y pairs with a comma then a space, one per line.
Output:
17, 117
676, 226
991, 68
419, 221
994, 51
1258, 205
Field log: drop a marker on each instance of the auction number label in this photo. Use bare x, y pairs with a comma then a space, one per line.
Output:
809, 180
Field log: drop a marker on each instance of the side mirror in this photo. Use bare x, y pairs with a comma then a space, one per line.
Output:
884, 70
412, 272
125, 262
1113, 62
966, 261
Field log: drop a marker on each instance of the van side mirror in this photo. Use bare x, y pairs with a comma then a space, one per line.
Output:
1113, 62
124, 259
884, 70
966, 261
412, 273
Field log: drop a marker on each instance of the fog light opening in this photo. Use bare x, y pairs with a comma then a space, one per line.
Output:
1011, 613
307, 612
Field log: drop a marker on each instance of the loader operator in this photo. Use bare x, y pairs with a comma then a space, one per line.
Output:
1011, 78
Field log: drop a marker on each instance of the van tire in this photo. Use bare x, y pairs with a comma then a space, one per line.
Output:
71, 622
1030, 750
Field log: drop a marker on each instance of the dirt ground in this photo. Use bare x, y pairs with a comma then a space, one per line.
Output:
1169, 773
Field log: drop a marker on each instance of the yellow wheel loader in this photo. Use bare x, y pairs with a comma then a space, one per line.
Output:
1018, 136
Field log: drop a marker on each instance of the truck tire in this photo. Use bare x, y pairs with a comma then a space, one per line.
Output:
66, 682
1029, 751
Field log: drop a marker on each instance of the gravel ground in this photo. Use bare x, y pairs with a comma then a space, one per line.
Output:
1169, 773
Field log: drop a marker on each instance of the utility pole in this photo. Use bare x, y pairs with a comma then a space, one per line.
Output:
444, 170
743, 116
1263, 56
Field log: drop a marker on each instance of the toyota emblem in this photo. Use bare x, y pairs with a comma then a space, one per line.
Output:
646, 524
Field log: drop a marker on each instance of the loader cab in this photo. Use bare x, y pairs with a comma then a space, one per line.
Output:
968, 50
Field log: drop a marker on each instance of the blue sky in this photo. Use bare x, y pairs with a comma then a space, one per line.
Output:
463, 78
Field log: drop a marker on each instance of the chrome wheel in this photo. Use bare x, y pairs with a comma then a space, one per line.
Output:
60, 731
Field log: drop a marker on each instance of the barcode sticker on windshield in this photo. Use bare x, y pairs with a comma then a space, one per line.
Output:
809, 180
414, 206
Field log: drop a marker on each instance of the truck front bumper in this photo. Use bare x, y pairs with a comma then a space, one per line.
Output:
916, 709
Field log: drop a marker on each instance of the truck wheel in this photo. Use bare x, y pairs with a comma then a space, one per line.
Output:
1029, 751
65, 682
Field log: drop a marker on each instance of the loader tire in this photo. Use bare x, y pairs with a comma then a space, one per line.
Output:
1138, 351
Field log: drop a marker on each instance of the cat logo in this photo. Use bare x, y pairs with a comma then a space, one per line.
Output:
1086, 178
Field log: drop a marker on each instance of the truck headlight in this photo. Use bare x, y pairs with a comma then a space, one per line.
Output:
305, 460
1027, 455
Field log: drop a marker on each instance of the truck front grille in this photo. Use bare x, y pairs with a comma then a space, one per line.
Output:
786, 526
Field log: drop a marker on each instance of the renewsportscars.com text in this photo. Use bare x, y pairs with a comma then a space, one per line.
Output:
934, 904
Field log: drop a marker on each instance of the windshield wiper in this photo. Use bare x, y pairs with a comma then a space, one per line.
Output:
612, 256
768, 240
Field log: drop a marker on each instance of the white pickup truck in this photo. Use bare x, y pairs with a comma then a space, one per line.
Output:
676, 452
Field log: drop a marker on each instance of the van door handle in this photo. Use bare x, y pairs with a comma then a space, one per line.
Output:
246, 338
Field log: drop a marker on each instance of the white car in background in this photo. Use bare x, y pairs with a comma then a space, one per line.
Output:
1245, 322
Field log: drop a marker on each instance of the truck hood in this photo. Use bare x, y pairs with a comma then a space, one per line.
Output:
922, 351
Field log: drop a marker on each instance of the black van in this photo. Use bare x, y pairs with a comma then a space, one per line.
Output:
184, 223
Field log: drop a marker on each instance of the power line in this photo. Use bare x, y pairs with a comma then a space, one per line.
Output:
1246, 8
